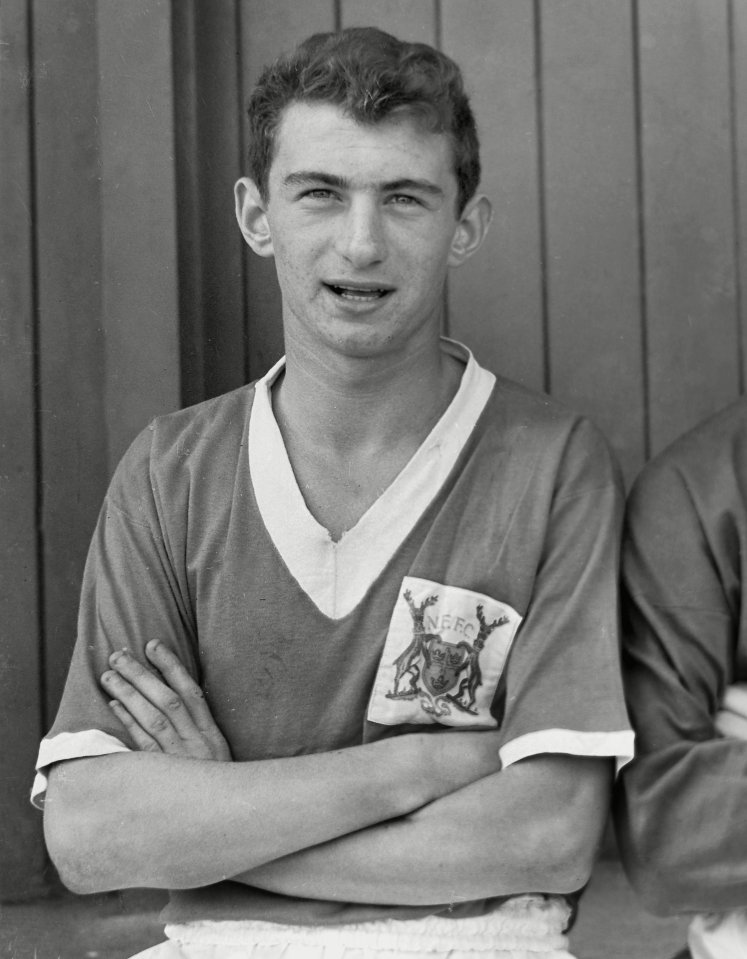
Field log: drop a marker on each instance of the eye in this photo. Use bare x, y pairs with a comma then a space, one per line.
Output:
404, 199
318, 193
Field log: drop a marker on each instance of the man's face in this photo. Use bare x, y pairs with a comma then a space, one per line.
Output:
362, 220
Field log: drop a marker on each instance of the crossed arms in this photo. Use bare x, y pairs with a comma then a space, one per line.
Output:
421, 818
357, 824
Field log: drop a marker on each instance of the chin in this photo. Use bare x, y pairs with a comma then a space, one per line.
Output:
359, 342
368, 347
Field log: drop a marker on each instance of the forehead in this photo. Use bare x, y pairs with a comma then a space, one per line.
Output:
322, 137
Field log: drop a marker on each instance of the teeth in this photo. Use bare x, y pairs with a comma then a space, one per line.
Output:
352, 292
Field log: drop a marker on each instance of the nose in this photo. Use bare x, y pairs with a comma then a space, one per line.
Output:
361, 238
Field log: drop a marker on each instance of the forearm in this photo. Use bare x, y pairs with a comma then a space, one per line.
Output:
680, 817
516, 831
156, 820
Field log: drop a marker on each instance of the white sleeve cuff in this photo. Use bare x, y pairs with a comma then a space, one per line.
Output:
571, 742
89, 742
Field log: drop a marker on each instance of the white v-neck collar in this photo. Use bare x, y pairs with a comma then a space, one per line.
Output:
337, 575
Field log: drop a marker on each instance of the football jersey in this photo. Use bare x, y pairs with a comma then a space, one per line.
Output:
479, 591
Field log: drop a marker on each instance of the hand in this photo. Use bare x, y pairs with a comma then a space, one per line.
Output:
163, 711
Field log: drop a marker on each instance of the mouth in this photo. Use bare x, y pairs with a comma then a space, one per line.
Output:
358, 292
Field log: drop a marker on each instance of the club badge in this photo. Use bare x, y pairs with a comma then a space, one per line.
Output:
444, 654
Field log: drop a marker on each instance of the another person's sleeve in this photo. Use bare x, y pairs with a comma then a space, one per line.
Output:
134, 590
563, 689
681, 805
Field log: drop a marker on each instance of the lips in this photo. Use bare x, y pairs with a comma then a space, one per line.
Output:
361, 292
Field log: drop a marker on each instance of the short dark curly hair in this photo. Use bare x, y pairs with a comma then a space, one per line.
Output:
372, 76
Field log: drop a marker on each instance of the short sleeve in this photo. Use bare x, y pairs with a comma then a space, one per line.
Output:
563, 689
133, 591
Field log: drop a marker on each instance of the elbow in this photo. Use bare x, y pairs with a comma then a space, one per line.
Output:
662, 886
74, 877
675, 879
566, 841
82, 845
71, 854
575, 870
97, 837
668, 882
567, 833
665, 870
551, 858
565, 858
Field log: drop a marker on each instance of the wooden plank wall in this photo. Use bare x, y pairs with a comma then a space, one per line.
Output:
689, 202
614, 138
88, 332
21, 692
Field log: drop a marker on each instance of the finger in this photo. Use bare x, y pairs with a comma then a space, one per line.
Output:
177, 677
142, 740
731, 725
735, 699
151, 719
158, 694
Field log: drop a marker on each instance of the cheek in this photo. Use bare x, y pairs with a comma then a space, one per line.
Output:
296, 278
289, 262
294, 249
427, 251
432, 270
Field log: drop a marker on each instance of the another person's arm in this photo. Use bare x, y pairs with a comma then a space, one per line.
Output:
680, 806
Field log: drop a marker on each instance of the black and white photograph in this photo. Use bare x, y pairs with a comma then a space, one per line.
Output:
373, 479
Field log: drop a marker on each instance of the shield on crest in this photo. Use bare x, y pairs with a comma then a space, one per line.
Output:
443, 662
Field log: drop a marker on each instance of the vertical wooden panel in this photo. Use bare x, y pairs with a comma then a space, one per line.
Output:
593, 285
188, 169
495, 300
208, 162
413, 21
73, 427
739, 106
139, 275
689, 235
21, 845
268, 29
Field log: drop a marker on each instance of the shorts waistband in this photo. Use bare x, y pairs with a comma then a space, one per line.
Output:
531, 924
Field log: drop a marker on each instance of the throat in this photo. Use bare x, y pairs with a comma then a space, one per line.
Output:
338, 492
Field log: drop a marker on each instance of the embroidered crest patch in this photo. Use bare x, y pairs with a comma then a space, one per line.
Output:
443, 656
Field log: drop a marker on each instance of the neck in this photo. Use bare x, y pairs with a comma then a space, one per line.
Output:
362, 403
350, 425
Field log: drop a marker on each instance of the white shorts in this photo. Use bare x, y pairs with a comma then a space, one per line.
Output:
525, 927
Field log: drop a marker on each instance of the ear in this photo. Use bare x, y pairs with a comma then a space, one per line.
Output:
252, 216
471, 230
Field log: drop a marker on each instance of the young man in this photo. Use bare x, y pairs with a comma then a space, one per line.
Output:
680, 806
393, 576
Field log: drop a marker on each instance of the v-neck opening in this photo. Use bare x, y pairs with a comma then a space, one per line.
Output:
337, 574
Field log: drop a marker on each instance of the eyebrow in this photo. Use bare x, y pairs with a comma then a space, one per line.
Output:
306, 177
